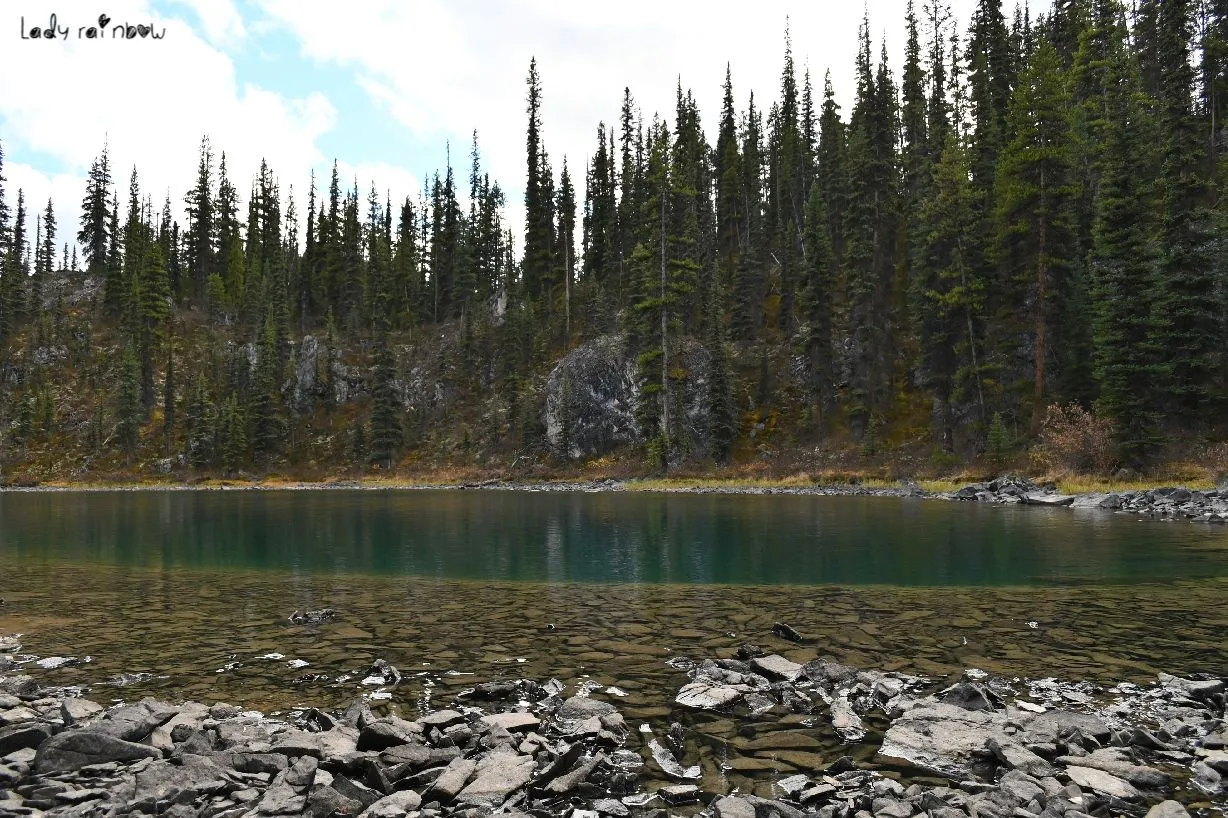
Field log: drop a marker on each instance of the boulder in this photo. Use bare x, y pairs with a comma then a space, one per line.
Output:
75, 749
583, 707
396, 805
1102, 782
497, 776
777, 667
945, 739
512, 721
1168, 809
591, 394
1038, 499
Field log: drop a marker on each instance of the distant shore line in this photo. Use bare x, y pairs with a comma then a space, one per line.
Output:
1166, 502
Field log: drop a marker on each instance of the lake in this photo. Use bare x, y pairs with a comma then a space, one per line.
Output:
183, 594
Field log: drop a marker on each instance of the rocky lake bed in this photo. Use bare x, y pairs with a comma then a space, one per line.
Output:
745, 733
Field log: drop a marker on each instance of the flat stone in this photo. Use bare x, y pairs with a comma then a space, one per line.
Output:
728, 806
74, 749
611, 806
136, 721
943, 738
1038, 499
777, 666
498, 775
396, 805
1116, 763
1168, 809
1102, 782
453, 778
441, 719
708, 696
74, 711
512, 721
22, 736
190, 714
584, 707
1019, 758
679, 794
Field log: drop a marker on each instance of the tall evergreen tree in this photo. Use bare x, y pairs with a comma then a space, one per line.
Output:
1190, 328
1035, 195
93, 235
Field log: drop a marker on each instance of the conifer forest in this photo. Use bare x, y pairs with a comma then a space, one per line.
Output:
1025, 220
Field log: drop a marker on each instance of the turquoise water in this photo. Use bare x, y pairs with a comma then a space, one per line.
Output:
605, 537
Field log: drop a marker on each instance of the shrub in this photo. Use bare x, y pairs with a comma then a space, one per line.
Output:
1076, 440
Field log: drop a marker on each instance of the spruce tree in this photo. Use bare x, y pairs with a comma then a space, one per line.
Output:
128, 411
198, 240
15, 272
1191, 334
95, 234
387, 432
1037, 240
1129, 367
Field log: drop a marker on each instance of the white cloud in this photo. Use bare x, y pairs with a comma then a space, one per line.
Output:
153, 101
443, 67
220, 19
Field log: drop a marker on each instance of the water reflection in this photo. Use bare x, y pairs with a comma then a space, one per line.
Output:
606, 537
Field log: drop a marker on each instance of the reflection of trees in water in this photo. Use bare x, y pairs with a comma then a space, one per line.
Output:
604, 537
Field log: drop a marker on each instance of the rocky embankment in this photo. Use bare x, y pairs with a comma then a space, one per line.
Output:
980, 748
1170, 502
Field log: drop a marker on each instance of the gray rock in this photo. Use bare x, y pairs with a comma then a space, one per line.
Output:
1114, 761
584, 707
287, 794
572, 779
1038, 499
1096, 500
136, 721
191, 715
728, 806
1019, 758
707, 695
668, 764
777, 667
1102, 782
679, 794
498, 775
1207, 779
891, 808
845, 720
1168, 809
74, 749
609, 806
969, 696
74, 711
1022, 787
512, 721
381, 735
326, 802
270, 763
944, 739
1054, 725
590, 399
22, 736
453, 778
397, 805
441, 719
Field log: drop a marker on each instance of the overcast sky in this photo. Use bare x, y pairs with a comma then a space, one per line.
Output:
383, 86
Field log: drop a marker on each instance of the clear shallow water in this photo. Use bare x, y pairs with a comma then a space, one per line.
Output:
192, 588
605, 537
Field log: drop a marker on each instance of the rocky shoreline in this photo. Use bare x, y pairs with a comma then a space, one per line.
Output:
901, 746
